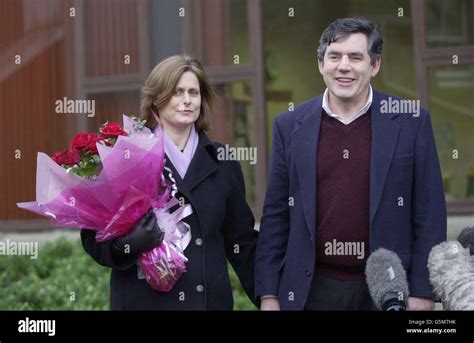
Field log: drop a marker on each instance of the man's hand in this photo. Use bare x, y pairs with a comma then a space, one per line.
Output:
420, 304
270, 304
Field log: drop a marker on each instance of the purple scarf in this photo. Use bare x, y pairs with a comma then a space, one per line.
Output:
181, 160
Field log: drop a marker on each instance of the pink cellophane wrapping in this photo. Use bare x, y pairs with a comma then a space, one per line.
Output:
129, 184
163, 266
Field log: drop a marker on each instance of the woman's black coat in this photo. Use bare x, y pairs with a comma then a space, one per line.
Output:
222, 227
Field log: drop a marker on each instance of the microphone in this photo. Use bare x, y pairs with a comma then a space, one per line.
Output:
387, 280
466, 238
452, 274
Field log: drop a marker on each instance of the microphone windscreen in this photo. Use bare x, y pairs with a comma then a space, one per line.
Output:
385, 275
452, 275
466, 238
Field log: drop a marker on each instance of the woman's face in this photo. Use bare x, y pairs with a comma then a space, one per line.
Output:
185, 104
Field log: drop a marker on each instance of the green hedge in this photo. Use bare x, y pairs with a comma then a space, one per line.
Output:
64, 277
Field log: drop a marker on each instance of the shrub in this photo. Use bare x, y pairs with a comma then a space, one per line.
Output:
64, 277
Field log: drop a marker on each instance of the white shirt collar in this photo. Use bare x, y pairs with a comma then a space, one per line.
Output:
356, 115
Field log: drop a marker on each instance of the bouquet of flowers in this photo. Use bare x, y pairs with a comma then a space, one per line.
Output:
106, 183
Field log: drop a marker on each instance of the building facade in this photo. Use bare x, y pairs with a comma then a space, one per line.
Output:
259, 54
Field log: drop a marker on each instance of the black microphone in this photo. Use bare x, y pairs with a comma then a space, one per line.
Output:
387, 280
466, 238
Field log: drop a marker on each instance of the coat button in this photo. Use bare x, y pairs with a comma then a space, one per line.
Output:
308, 273
198, 242
200, 288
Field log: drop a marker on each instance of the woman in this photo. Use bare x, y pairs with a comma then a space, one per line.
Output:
179, 96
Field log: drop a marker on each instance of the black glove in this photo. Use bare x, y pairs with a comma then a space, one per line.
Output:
145, 235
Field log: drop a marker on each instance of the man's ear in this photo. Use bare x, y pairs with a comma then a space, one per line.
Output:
376, 67
320, 66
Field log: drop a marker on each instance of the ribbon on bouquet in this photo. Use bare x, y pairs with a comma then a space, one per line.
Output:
177, 233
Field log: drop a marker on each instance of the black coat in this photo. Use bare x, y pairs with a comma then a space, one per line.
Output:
222, 226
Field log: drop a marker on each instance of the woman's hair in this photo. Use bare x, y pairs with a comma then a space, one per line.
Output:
161, 83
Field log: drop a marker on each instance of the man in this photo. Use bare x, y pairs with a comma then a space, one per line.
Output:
349, 173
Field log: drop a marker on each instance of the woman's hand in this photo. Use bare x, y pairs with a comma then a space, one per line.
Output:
144, 236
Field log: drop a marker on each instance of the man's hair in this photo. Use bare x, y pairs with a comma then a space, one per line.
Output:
343, 27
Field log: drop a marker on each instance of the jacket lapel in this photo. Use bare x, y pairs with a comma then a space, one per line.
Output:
202, 165
305, 146
384, 139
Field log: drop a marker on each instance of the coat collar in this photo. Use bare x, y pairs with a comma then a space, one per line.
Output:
384, 140
305, 147
203, 164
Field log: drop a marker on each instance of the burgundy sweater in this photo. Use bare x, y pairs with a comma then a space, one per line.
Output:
342, 194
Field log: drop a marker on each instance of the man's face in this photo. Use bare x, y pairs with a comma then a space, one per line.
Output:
346, 68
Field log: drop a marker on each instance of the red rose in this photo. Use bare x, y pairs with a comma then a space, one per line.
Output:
112, 130
83, 141
92, 148
58, 157
71, 156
